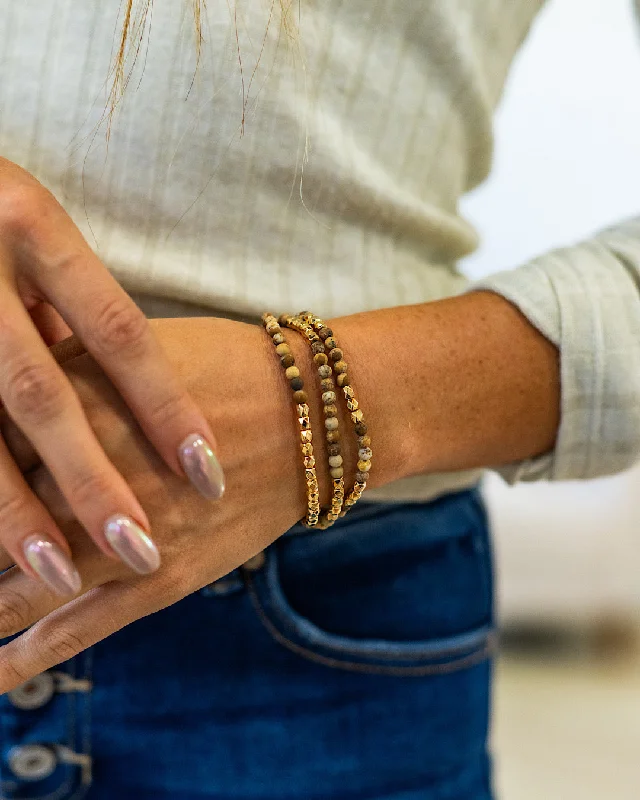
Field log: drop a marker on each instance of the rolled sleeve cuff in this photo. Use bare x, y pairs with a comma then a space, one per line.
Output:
585, 299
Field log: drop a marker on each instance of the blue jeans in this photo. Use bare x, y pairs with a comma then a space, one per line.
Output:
351, 664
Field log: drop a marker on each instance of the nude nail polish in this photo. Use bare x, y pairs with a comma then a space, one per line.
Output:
202, 466
132, 543
52, 564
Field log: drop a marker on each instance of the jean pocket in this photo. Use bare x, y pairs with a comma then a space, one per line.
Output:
399, 590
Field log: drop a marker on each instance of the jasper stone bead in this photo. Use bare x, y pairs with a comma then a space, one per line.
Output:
278, 338
300, 397
333, 436
324, 371
325, 333
331, 424
337, 473
282, 320
283, 349
362, 477
364, 441
335, 461
317, 347
287, 361
342, 380
361, 428
334, 449
364, 454
331, 410
340, 367
328, 398
320, 359
336, 354
327, 385
330, 343
296, 384
292, 372
364, 466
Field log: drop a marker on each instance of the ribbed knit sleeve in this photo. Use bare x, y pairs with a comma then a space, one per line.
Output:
586, 300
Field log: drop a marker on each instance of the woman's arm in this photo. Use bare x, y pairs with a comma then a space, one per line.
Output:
455, 384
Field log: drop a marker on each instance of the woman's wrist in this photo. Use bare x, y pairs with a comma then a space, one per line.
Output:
444, 386
451, 385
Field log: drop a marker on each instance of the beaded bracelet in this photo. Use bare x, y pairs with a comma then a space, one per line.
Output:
331, 421
357, 415
302, 408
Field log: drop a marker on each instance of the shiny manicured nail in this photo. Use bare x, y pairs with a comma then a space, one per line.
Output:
132, 543
201, 466
52, 564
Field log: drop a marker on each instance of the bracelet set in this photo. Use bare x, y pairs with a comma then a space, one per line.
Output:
334, 379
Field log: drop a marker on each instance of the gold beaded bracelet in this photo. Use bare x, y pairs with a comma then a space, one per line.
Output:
302, 408
331, 422
340, 369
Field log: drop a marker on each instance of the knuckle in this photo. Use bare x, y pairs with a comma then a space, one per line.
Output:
15, 612
168, 410
120, 325
10, 675
61, 644
14, 508
23, 205
85, 489
70, 266
35, 392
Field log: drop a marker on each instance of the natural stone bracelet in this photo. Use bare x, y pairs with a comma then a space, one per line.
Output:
302, 408
336, 359
331, 422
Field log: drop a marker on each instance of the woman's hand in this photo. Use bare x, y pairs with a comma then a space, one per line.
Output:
445, 386
233, 373
51, 283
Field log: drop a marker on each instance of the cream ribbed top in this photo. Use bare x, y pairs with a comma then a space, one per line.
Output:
338, 193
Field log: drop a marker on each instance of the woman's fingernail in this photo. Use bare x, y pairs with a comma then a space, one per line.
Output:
132, 543
52, 564
202, 467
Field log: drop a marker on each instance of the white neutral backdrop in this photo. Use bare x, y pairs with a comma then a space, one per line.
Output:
567, 163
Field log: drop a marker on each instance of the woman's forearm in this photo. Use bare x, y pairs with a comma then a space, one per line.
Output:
451, 385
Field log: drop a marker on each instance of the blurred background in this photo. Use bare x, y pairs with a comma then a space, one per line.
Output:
567, 723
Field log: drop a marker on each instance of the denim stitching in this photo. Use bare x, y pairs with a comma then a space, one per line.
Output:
433, 669
65, 786
86, 699
72, 698
271, 576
